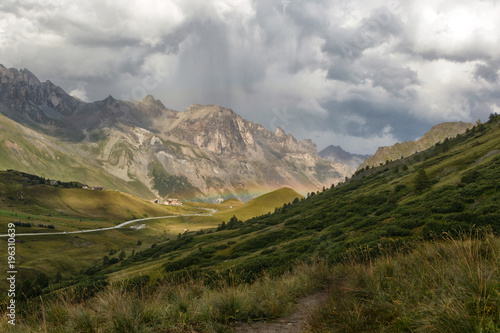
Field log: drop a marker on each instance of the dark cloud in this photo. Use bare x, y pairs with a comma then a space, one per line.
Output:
467, 55
369, 72
364, 118
395, 79
342, 71
369, 32
488, 73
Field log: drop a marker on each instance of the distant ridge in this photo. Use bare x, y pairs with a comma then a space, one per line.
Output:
438, 133
338, 155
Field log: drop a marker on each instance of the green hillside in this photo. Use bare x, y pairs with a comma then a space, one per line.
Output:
244, 271
224, 211
227, 211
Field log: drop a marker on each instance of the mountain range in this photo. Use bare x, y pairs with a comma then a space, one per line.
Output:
338, 155
147, 149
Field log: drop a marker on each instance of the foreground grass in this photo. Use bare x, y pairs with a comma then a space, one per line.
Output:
443, 287
447, 286
200, 305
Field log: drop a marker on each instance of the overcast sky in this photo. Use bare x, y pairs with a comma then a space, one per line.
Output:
359, 74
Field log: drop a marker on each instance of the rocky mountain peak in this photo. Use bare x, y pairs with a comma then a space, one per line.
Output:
193, 108
149, 100
309, 143
280, 133
22, 76
29, 77
214, 128
33, 102
338, 155
152, 108
198, 111
109, 102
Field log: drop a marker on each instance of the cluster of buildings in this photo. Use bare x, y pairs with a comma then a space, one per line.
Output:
169, 202
95, 188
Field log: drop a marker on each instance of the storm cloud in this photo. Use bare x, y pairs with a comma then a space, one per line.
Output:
359, 74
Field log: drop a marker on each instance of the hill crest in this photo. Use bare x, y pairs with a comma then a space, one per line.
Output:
436, 134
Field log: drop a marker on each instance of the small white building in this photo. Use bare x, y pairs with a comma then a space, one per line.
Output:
173, 202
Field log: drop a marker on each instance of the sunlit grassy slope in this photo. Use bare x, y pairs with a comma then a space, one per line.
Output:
263, 204
108, 205
24, 196
255, 207
231, 202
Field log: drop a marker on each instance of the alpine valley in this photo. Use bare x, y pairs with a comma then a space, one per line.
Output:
230, 166
149, 150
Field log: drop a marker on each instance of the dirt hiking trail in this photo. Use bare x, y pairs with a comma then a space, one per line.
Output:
294, 323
